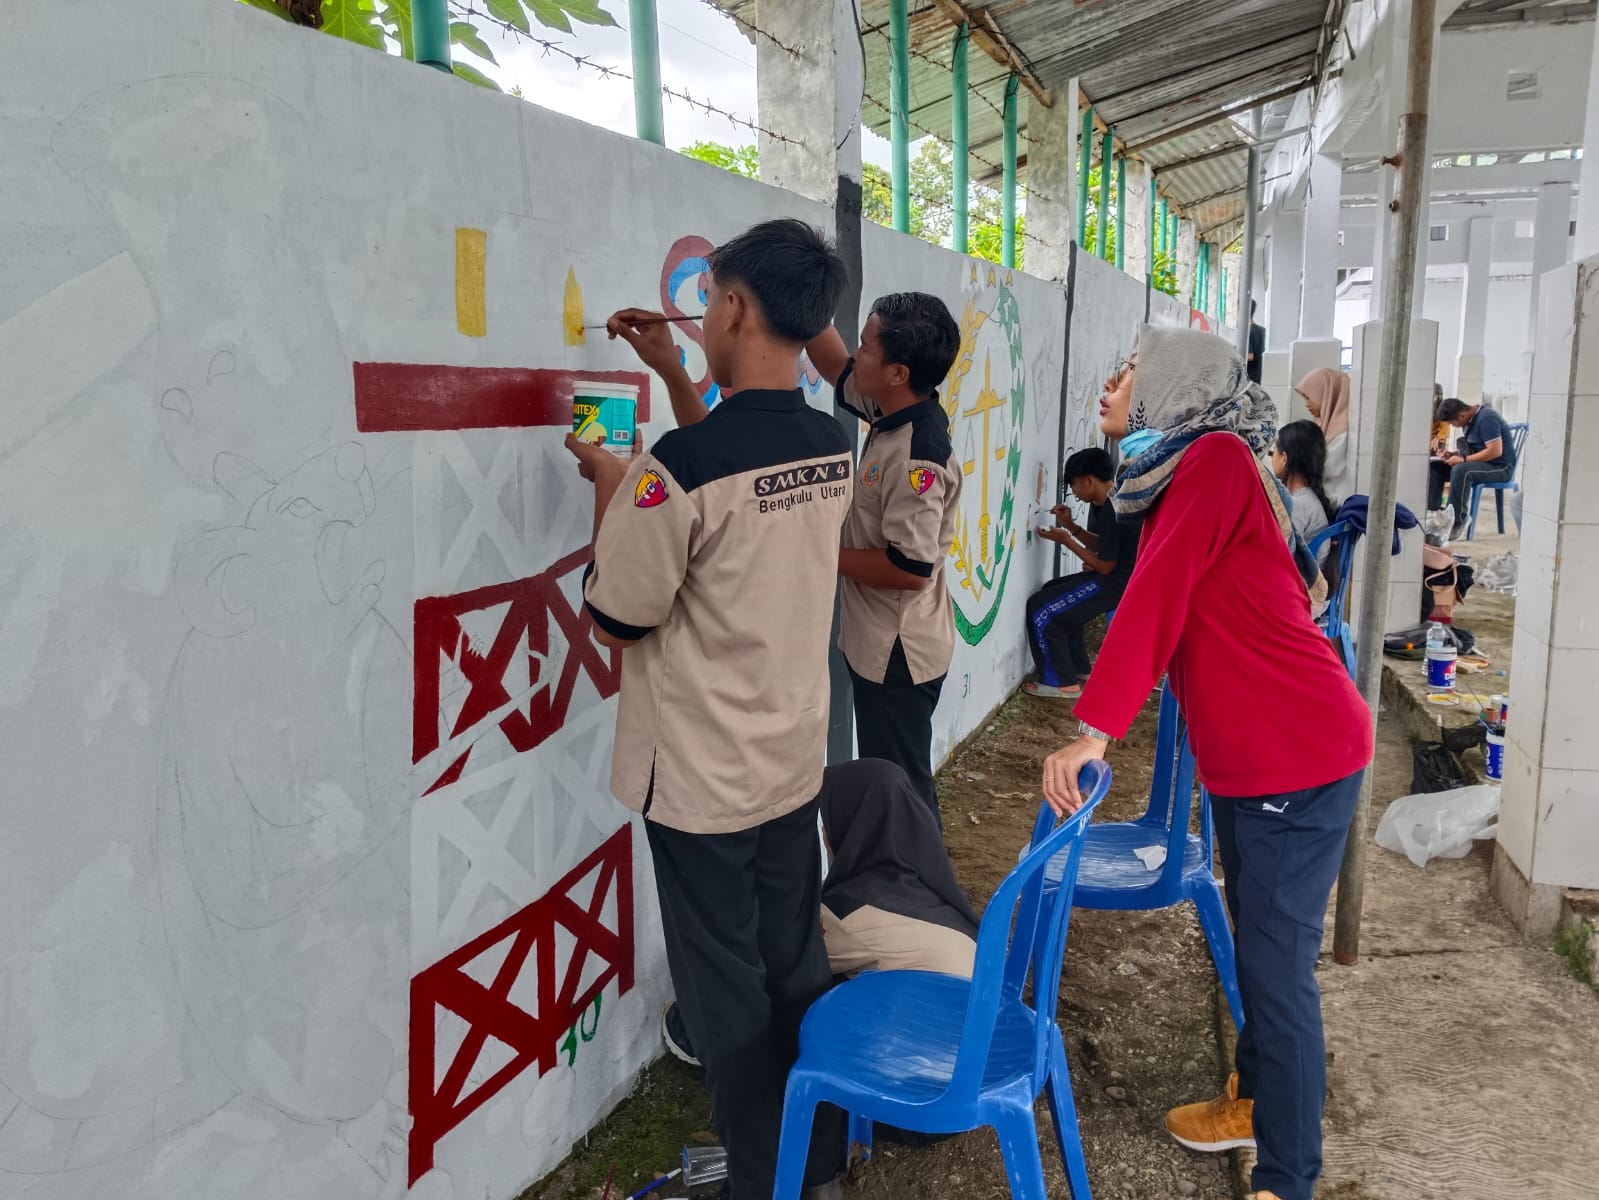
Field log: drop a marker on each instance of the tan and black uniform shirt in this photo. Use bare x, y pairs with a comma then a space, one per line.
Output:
907, 488
719, 557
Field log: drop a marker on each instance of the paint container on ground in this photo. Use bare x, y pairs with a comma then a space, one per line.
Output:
1494, 752
1441, 656
703, 1166
606, 414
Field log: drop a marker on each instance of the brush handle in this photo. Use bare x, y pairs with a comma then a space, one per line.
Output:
650, 321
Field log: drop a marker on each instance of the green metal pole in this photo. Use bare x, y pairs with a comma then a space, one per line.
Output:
649, 120
899, 92
430, 34
1085, 156
1201, 282
1165, 229
1009, 239
958, 130
1121, 213
1221, 300
1107, 147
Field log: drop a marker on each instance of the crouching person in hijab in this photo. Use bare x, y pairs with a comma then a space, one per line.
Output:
1220, 599
890, 901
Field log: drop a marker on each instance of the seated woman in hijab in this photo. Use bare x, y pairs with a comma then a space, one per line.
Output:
890, 901
1326, 395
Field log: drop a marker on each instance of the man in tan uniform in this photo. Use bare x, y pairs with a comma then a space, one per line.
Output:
714, 563
898, 630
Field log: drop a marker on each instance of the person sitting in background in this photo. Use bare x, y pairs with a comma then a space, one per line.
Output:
1439, 441
1326, 395
1488, 457
890, 901
1299, 459
1058, 612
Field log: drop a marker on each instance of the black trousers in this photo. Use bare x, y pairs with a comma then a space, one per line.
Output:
1281, 856
744, 945
1056, 616
894, 721
1461, 477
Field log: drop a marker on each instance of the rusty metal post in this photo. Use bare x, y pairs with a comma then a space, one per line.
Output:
1246, 279
1399, 288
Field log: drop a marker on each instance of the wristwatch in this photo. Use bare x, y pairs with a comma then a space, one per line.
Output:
1084, 729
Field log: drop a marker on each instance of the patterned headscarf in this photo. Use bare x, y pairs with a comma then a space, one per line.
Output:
1189, 384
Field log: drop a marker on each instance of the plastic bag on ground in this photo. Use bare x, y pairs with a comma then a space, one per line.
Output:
1500, 575
1439, 824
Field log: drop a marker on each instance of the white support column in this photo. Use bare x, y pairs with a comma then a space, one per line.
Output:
1051, 184
1322, 213
1550, 240
1474, 312
1549, 815
1587, 244
826, 143
1287, 261
1187, 260
1136, 259
1404, 586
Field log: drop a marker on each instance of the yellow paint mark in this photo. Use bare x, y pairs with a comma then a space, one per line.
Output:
471, 254
572, 310
992, 278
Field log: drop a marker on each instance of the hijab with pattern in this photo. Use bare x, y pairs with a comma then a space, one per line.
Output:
887, 851
1189, 384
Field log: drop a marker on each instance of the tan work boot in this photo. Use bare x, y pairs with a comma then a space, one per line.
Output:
1224, 1123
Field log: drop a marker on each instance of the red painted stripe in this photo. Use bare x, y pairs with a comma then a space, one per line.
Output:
409, 397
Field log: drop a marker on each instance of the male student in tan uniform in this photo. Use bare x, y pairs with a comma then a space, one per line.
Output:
714, 561
898, 630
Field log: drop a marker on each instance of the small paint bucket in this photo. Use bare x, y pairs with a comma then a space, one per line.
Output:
1495, 754
606, 414
1441, 668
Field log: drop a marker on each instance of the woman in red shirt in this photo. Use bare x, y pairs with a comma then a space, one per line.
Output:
1220, 599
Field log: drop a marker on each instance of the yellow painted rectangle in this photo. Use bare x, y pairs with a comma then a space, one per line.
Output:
471, 254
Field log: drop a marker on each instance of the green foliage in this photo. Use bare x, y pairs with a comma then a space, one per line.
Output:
932, 190
1165, 278
744, 160
386, 24
1574, 943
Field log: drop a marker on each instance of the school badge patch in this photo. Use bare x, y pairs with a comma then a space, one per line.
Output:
871, 475
651, 490
921, 480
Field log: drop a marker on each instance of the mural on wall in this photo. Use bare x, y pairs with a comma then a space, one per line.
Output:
986, 398
685, 274
1106, 316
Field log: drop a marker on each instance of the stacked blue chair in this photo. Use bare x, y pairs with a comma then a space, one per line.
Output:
1335, 621
1518, 440
1112, 876
938, 1054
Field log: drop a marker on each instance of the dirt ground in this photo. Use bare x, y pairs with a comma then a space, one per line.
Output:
1137, 1008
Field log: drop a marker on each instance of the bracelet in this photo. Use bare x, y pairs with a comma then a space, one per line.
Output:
1084, 729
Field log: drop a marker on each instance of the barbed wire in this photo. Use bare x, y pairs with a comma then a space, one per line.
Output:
753, 28
469, 10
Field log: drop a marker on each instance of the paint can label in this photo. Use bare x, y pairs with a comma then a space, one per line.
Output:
606, 415
1495, 754
1441, 668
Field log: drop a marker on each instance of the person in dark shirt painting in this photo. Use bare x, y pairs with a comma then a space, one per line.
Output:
1058, 611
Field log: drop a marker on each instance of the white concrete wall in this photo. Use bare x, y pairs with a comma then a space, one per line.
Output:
224, 870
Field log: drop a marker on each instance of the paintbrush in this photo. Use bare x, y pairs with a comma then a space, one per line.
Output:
649, 321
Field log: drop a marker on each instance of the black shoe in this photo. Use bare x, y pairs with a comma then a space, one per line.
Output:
675, 1034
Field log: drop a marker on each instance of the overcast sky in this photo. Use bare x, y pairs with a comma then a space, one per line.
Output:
703, 52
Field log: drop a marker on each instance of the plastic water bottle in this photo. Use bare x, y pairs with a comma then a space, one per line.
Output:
1441, 657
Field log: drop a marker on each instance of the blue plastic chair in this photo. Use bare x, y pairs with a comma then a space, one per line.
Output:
939, 1054
1113, 877
1518, 440
1335, 620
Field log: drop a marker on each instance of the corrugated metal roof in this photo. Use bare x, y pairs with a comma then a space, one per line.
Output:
1148, 66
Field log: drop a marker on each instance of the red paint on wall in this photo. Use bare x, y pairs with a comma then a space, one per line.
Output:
538, 613
488, 1010
412, 397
